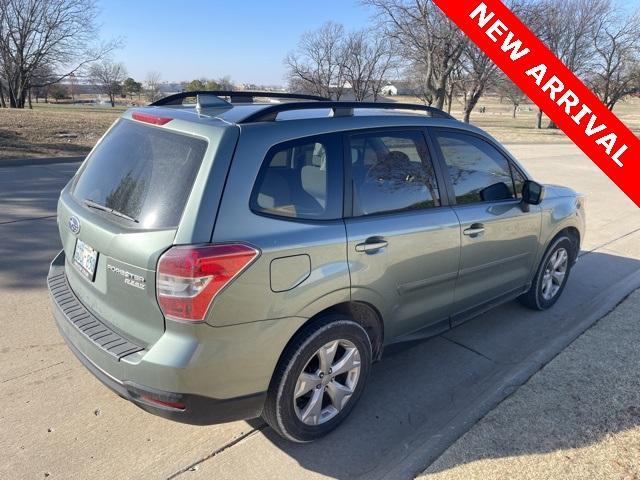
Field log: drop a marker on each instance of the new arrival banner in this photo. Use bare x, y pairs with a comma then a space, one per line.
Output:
553, 87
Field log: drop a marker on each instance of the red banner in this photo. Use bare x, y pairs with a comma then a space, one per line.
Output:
553, 87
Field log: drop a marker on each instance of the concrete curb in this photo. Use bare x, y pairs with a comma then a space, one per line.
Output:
23, 162
422, 452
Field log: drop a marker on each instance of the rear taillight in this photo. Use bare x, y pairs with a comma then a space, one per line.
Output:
188, 278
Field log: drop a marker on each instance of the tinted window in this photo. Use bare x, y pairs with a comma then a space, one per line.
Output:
478, 171
301, 179
143, 172
391, 172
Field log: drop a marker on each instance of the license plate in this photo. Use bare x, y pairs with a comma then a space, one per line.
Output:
85, 258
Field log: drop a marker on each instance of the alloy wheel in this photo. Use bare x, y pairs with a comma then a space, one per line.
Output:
554, 273
327, 382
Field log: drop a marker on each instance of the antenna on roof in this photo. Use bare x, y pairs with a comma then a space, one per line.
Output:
210, 101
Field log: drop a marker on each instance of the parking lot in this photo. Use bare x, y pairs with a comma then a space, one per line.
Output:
57, 421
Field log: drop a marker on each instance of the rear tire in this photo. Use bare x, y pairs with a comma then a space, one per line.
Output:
552, 275
319, 379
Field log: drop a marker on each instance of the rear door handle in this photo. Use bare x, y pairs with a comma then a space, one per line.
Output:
371, 245
474, 230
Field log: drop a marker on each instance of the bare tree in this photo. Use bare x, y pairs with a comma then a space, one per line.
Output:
41, 81
511, 92
368, 59
615, 67
3, 102
479, 72
73, 86
417, 78
428, 40
317, 65
153, 86
566, 27
57, 33
108, 77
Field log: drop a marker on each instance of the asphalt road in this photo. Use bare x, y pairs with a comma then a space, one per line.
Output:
57, 421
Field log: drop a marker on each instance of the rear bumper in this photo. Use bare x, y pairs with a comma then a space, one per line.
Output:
121, 369
197, 410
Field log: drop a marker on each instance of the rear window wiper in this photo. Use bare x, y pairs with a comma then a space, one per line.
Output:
103, 208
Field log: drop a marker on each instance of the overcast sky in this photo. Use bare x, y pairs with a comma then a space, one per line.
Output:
246, 39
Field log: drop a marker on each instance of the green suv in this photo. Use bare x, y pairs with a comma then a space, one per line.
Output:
224, 260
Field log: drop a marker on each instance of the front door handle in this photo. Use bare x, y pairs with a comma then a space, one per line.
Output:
371, 245
474, 230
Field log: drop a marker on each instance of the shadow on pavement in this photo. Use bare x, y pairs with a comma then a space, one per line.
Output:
432, 384
28, 233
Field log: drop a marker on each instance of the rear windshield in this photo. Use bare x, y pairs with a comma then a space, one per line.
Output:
141, 172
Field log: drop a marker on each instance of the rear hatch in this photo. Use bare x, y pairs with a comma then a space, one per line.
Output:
119, 214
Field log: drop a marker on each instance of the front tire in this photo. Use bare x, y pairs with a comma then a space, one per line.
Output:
319, 379
552, 275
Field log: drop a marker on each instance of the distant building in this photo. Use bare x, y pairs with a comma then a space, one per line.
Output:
389, 90
397, 87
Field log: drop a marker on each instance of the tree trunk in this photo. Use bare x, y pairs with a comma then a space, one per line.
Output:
3, 103
30, 104
440, 98
17, 91
12, 99
552, 125
515, 109
539, 119
471, 103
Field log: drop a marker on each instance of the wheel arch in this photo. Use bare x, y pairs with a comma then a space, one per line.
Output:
574, 235
576, 240
364, 314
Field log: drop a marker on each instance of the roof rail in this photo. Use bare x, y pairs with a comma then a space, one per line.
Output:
242, 96
340, 109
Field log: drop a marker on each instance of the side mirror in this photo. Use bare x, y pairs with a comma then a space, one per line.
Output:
532, 193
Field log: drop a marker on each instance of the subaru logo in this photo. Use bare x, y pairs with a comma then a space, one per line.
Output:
74, 225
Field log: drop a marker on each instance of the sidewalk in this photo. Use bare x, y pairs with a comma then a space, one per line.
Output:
578, 418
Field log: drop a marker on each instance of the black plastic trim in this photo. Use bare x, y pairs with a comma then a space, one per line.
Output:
91, 327
177, 98
340, 109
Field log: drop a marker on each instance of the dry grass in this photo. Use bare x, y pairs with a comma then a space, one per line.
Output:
51, 130
70, 130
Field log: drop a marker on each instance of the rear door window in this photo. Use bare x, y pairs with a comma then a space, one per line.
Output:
145, 173
391, 172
